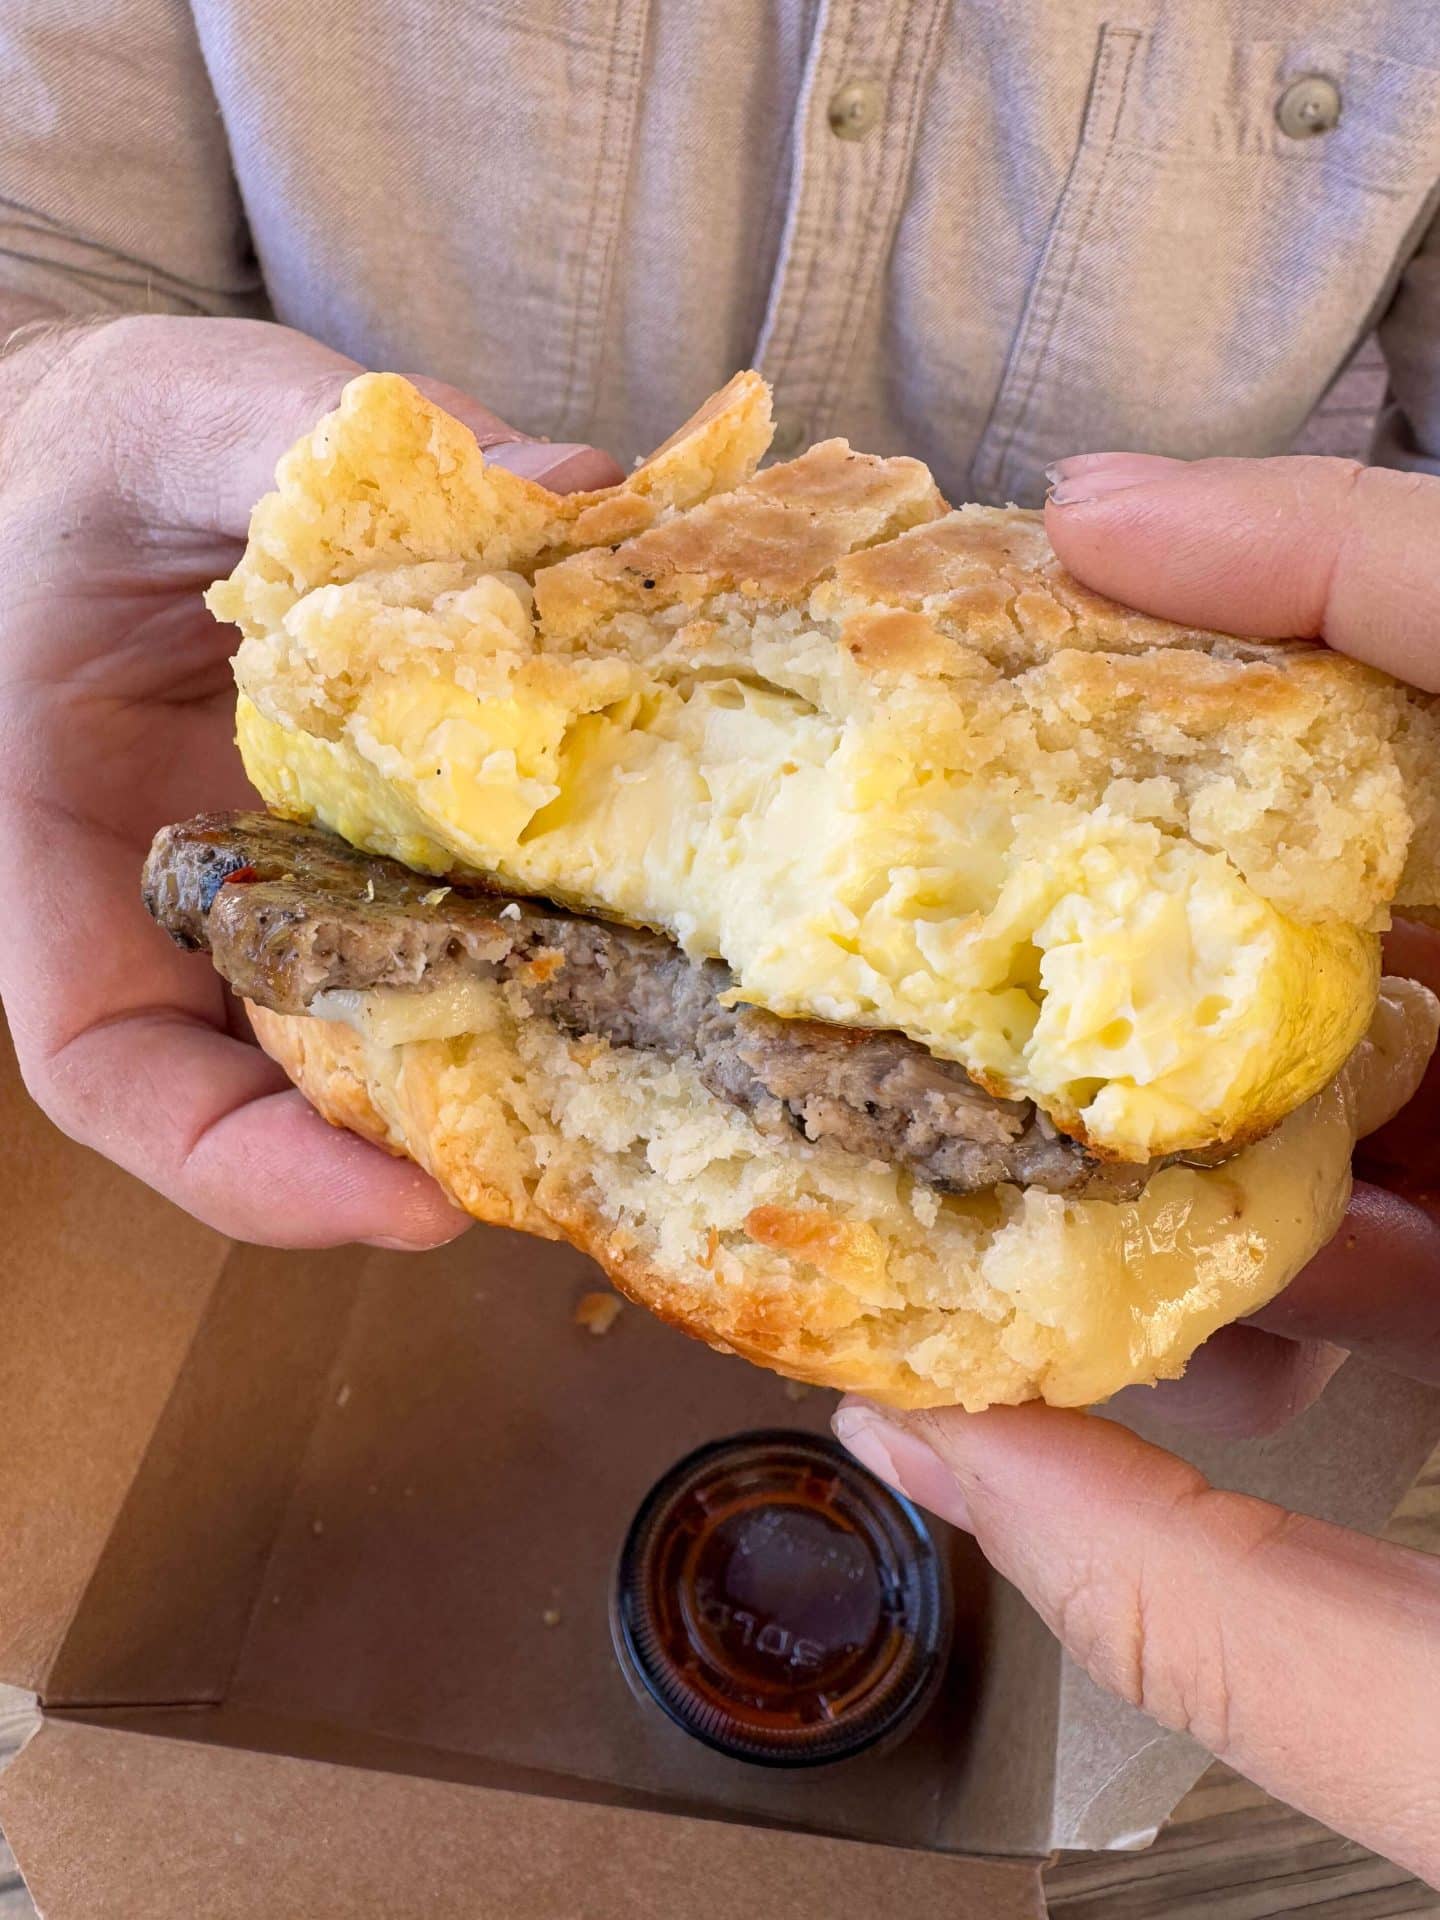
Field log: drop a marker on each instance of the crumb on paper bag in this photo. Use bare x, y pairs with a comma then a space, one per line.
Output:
550, 1617
597, 1312
796, 1389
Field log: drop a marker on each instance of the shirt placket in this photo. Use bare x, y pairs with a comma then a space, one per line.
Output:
856, 119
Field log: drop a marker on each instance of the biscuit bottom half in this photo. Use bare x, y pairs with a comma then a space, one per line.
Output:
831, 1268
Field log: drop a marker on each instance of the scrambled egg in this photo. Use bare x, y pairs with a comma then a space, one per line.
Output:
848, 867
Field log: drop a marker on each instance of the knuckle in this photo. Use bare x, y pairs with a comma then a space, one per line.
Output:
66, 1080
1180, 1672
57, 447
1158, 1642
1349, 473
127, 425
1378, 489
131, 338
53, 1093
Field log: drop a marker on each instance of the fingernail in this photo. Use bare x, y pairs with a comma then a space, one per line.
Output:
903, 1461
397, 1243
1093, 476
540, 459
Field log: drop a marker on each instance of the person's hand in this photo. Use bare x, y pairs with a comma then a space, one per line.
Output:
1300, 549
1306, 1656
130, 457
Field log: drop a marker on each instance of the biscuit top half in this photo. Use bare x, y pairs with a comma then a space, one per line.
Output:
884, 757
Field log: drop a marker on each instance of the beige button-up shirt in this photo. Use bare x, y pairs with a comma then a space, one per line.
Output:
989, 232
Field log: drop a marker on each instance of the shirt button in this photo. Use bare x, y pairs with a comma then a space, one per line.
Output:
854, 109
1308, 106
789, 435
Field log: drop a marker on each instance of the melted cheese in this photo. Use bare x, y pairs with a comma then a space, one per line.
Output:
392, 1016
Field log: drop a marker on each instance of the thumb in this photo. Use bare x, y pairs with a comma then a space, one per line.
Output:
177, 424
567, 466
1300, 1653
1287, 548
167, 424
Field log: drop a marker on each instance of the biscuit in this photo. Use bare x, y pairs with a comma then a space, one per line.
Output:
840, 1272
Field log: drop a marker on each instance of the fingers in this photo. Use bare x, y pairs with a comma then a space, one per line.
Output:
123, 1041
1319, 549
1375, 1289
1243, 1383
1413, 951
180, 423
1301, 1654
167, 423
214, 1125
1304, 548
563, 467
1406, 1150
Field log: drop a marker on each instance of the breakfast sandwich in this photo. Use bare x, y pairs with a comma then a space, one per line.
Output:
890, 960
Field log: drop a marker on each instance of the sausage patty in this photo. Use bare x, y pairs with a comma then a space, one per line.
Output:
289, 912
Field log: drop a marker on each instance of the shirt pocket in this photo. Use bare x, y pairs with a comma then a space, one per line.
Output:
1205, 273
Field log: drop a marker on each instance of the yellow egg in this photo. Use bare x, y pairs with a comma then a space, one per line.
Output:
1129, 981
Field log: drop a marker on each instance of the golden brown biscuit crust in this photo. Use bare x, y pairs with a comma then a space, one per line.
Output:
769, 539
820, 1276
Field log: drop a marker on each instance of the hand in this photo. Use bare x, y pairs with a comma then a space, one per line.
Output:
130, 457
1314, 549
1304, 1655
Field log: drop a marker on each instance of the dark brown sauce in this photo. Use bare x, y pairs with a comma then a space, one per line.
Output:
780, 1603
